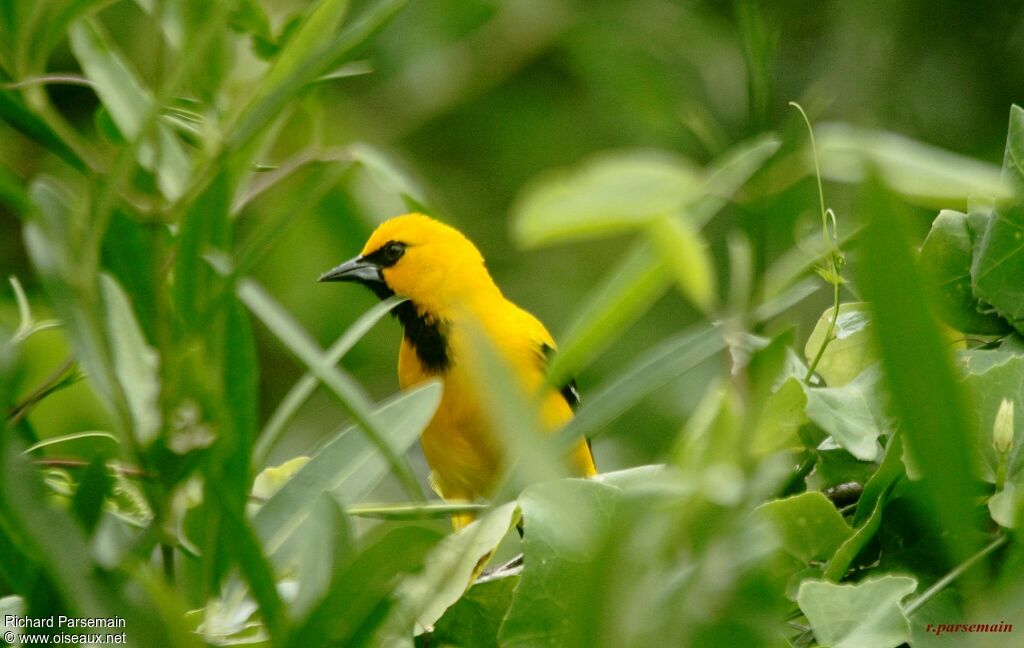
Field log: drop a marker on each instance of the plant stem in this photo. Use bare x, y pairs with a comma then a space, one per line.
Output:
828, 334
127, 471
830, 248
52, 382
957, 571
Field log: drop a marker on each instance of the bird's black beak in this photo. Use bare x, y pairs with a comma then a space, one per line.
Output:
357, 270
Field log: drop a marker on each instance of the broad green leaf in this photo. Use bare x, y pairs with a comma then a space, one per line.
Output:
853, 414
809, 526
864, 615
919, 172
946, 261
840, 562
136, 364
608, 194
131, 106
567, 522
476, 618
835, 467
998, 268
625, 294
783, 415
850, 352
348, 466
684, 253
890, 470
450, 567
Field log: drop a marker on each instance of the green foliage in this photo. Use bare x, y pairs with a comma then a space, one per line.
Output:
768, 479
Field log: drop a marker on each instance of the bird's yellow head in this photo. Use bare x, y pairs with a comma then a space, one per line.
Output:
415, 256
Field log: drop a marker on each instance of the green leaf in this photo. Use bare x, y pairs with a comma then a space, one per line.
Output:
305, 386
998, 268
892, 468
850, 352
728, 173
249, 17
325, 547
854, 414
624, 295
304, 62
14, 111
390, 176
130, 105
655, 368
836, 467
865, 615
836, 568
348, 466
916, 171
809, 526
988, 386
360, 595
204, 228
608, 194
916, 363
450, 567
316, 30
684, 252
946, 260
567, 522
136, 364
254, 566
344, 388
1007, 505
91, 492
783, 415
476, 618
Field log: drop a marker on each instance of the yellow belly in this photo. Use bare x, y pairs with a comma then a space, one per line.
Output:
459, 443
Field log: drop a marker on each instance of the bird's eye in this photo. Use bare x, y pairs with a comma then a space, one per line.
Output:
394, 251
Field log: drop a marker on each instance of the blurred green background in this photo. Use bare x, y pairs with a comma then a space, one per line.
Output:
475, 98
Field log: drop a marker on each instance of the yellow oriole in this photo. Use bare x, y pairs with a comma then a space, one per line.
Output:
449, 290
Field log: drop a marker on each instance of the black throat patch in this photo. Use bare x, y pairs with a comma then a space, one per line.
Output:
426, 335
